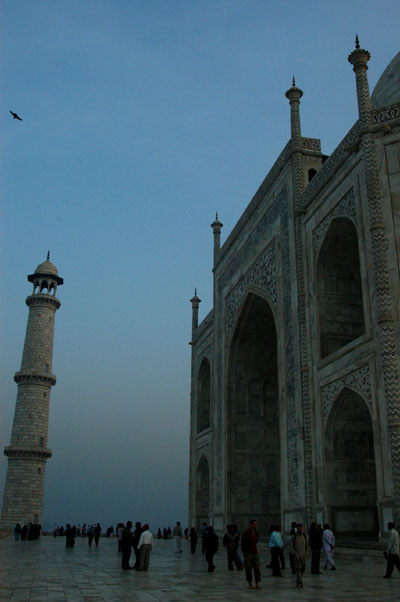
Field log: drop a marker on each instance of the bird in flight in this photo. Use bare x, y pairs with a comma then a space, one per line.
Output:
15, 116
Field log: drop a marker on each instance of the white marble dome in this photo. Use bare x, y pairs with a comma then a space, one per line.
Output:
387, 90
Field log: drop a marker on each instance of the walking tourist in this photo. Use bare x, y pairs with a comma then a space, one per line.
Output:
299, 546
210, 547
392, 551
328, 542
90, 534
17, 531
251, 558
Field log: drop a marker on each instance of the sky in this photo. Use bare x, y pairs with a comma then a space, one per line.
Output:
141, 119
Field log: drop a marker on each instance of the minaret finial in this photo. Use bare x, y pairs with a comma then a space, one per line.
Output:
195, 292
294, 82
357, 42
48, 256
216, 215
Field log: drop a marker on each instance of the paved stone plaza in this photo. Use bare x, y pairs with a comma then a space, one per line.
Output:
46, 570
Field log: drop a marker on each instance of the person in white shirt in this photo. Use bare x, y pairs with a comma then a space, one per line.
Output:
145, 546
392, 551
177, 535
328, 543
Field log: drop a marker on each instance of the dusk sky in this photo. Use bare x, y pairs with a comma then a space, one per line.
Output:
141, 119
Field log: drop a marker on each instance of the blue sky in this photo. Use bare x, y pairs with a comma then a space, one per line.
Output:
140, 120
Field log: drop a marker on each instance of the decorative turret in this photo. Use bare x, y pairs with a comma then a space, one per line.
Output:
28, 451
359, 59
195, 301
216, 226
294, 94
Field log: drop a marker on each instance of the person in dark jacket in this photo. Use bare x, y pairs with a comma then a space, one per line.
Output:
250, 552
126, 545
210, 547
136, 536
315, 543
193, 540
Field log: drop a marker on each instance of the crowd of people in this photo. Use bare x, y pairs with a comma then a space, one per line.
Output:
30, 531
318, 540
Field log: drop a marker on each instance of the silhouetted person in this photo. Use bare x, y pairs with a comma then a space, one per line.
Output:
136, 537
126, 545
16, 116
210, 547
97, 531
193, 540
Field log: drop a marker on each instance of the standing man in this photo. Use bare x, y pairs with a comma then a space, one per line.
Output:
177, 535
251, 558
299, 546
126, 544
136, 536
328, 542
392, 552
145, 546
97, 531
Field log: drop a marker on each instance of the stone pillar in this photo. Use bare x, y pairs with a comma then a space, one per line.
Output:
28, 452
294, 94
383, 288
195, 301
216, 226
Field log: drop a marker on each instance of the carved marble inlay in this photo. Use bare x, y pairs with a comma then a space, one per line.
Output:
386, 113
263, 275
345, 208
360, 381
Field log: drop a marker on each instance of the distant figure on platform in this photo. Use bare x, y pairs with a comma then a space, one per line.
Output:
97, 531
126, 544
136, 537
69, 536
186, 533
120, 530
203, 532
177, 535
392, 551
251, 558
145, 546
328, 542
17, 531
210, 547
315, 540
299, 545
159, 534
193, 540
90, 534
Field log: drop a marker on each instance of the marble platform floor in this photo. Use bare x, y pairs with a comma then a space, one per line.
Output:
45, 570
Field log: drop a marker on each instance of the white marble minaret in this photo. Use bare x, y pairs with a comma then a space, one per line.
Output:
28, 451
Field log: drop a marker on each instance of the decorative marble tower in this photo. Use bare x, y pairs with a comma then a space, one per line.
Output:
28, 452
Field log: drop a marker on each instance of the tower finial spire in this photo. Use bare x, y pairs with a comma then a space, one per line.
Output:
294, 82
357, 42
48, 255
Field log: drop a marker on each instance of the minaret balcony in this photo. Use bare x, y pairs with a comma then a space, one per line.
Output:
13, 451
43, 299
34, 378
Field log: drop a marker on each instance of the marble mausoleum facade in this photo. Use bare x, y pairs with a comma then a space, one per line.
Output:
295, 389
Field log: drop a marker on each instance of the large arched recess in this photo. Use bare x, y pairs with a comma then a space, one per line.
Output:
253, 417
202, 491
350, 466
203, 396
339, 292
